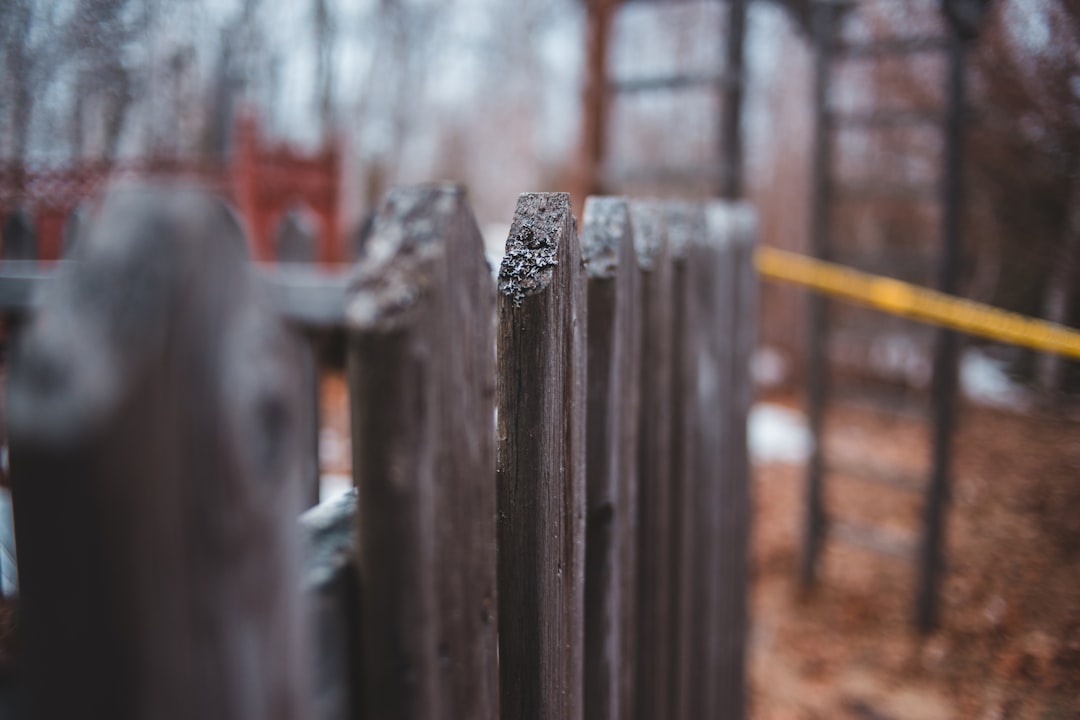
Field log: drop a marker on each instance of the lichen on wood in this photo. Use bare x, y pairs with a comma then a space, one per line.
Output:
532, 246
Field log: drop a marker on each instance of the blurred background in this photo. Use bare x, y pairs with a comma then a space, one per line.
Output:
490, 93
315, 107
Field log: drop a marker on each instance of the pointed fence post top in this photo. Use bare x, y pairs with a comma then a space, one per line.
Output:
685, 223
730, 222
605, 226
543, 224
650, 232
414, 226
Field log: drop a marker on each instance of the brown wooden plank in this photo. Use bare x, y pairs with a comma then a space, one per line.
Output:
685, 223
420, 335
654, 460
540, 391
157, 450
611, 469
713, 293
738, 222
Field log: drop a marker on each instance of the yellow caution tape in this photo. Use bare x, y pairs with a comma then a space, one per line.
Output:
918, 303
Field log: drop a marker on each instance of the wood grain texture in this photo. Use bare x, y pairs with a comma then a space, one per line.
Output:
654, 461
685, 224
726, 307
611, 458
743, 235
540, 392
713, 293
420, 317
157, 450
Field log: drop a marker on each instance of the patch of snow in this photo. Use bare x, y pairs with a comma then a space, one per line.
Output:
778, 434
333, 485
768, 366
9, 579
901, 357
331, 447
495, 235
983, 381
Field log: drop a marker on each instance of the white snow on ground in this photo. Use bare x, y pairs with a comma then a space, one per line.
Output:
332, 450
983, 381
900, 357
768, 366
778, 434
333, 485
495, 235
8, 576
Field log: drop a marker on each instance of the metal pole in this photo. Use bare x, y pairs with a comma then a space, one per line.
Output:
814, 515
595, 102
947, 344
731, 113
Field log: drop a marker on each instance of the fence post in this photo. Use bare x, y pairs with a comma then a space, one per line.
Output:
727, 290
540, 394
611, 458
420, 320
153, 406
654, 461
685, 224
713, 297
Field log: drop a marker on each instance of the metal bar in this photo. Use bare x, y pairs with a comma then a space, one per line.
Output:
679, 81
595, 103
875, 473
876, 192
18, 280
880, 399
615, 177
670, 2
884, 118
891, 47
892, 261
304, 295
814, 514
943, 389
873, 539
731, 112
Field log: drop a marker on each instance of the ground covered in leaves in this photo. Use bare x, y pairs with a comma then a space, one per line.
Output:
1009, 641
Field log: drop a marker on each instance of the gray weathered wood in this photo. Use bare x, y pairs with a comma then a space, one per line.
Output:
153, 415
728, 336
420, 366
685, 224
540, 395
305, 296
611, 458
654, 462
824, 23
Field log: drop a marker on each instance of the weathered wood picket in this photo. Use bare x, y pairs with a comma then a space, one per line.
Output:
581, 555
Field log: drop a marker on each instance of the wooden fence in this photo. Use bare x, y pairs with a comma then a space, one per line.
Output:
582, 555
